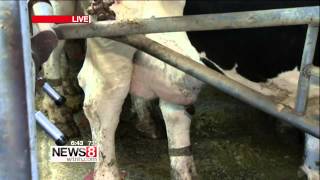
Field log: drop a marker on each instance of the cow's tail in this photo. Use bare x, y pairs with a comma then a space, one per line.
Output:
209, 63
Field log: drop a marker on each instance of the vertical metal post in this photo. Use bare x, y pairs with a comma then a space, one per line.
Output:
17, 125
30, 80
307, 59
311, 142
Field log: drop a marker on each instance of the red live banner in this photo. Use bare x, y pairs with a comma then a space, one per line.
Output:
60, 19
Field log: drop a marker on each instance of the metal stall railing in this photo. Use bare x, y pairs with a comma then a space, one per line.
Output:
236, 20
16, 97
17, 126
249, 19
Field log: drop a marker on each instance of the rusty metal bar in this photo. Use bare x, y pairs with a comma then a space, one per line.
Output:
221, 82
249, 19
17, 125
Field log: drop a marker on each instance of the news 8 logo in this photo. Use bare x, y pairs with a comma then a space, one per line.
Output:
74, 154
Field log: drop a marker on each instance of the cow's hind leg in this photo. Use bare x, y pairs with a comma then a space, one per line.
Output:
178, 122
102, 106
103, 116
146, 124
105, 79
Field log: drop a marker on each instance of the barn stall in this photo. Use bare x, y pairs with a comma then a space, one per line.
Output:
218, 135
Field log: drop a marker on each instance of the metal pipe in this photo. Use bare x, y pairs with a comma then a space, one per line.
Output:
17, 132
249, 19
51, 92
30, 86
58, 99
221, 82
50, 129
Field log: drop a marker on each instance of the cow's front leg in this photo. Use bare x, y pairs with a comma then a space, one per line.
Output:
178, 122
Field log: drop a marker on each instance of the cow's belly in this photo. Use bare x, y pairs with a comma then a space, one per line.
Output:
153, 78
164, 82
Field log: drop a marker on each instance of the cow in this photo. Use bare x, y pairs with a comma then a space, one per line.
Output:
111, 70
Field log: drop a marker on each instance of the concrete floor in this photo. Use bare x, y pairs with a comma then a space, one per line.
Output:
230, 141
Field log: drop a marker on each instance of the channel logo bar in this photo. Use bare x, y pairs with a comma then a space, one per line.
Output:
74, 154
61, 19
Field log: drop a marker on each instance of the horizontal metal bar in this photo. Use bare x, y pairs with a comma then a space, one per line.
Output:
248, 19
221, 82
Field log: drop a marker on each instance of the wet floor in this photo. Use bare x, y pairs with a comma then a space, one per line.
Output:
230, 140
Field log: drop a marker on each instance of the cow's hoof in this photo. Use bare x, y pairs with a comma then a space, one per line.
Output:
148, 130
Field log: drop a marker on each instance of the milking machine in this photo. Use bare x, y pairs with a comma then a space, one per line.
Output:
58, 99
43, 121
50, 129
